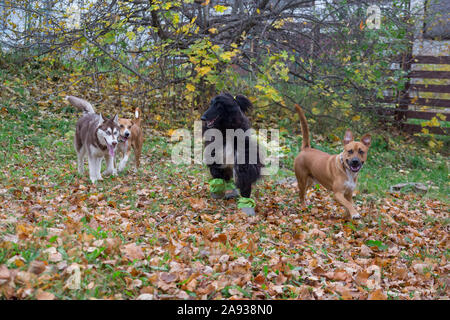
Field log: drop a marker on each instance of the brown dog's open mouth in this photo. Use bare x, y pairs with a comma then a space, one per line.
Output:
354, 167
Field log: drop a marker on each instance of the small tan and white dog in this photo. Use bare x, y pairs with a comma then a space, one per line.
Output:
337, 173
130, 137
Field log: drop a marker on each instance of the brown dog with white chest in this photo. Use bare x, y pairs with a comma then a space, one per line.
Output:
337, 173
131, 137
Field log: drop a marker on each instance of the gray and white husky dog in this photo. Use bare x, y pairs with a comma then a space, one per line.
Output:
96, 138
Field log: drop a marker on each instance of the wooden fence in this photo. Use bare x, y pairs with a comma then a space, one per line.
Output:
409, 100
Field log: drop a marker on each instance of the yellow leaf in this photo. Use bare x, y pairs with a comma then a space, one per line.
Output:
356, 118
432, 144
435, 122
220, 8
203, 70
213, 30
315, 111
190, 87
131, 35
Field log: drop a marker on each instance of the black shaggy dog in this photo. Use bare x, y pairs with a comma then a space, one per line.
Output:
226, 112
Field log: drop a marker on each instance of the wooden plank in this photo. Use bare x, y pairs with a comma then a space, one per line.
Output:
414, 128
431, 88
431, 59
430, 74
440, 103
424, 115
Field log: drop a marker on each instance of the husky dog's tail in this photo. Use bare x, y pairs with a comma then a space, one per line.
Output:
137, 113
81, 104
304, 126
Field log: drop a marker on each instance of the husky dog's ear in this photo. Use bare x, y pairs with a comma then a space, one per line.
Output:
348, 137
116, 119
100, 120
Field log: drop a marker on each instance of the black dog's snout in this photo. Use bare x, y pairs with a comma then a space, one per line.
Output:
203, 118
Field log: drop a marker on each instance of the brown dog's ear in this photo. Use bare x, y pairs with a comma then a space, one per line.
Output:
348, 137
366, 139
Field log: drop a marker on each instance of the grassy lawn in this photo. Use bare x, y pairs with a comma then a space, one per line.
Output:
157, 232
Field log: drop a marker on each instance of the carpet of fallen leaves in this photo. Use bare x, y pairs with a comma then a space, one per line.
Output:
156, 234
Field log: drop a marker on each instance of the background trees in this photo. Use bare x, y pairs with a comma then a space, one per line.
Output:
177, 54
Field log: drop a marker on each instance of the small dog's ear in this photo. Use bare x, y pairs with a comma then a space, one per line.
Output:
348, 137
366, 139
136, 113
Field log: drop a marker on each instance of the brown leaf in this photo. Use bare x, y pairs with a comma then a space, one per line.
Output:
182, 295
4, 274
24, 231
361, 278
197, 203
377, 295
44, 295
318, 271
338, 275
132, 252
168, 277
260, 279
37, 267
220, 238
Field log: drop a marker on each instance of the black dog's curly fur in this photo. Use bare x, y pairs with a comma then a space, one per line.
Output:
227, 112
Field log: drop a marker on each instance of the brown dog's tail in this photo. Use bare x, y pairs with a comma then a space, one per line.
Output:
137, 114
304, 126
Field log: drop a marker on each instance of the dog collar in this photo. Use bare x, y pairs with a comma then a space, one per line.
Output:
342, 160
342, 163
